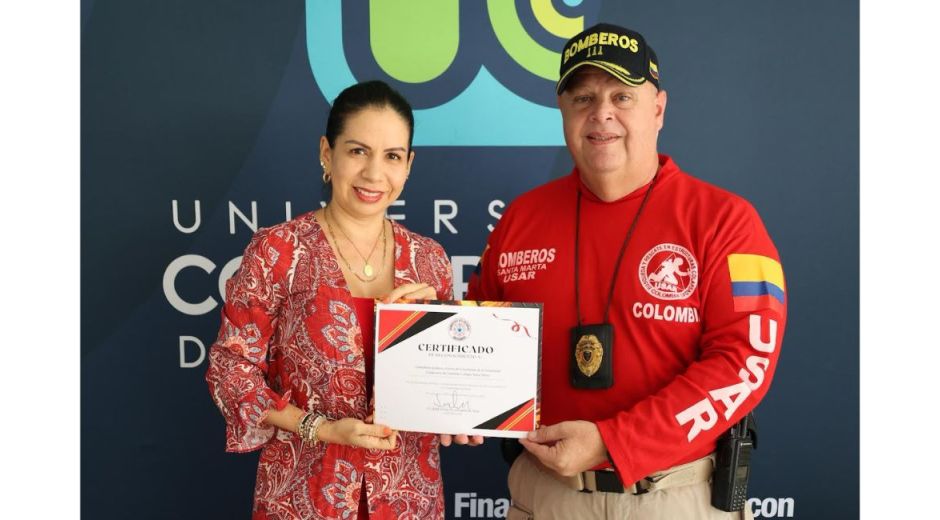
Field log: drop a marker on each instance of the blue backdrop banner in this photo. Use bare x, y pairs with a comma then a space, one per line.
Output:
201, 122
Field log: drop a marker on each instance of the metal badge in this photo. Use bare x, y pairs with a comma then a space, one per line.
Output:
589, 354
592, 356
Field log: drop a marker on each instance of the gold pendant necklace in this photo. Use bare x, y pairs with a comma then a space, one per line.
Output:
367, 270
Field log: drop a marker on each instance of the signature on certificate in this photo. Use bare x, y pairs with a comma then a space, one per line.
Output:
453, 401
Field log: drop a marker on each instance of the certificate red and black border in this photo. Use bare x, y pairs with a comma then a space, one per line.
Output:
397, 326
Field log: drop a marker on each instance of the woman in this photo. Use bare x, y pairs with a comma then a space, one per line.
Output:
291, 370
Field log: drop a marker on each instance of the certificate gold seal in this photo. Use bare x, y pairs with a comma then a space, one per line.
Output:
589, 354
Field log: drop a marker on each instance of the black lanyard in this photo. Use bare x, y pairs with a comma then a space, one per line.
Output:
623, 249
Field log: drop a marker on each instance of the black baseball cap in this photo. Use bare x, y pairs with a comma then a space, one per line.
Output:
617, 50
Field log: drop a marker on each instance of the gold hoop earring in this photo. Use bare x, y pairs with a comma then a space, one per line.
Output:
327, 177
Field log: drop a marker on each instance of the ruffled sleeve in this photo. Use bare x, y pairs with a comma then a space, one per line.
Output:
238, 360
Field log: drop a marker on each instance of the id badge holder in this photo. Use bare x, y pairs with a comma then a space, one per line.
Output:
591, 357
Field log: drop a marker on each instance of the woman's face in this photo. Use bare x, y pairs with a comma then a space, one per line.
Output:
369, 162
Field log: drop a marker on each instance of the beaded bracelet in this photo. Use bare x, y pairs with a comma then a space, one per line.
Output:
315, 429
308, 427
303, 424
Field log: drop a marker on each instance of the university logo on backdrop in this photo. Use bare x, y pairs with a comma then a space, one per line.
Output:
478, 73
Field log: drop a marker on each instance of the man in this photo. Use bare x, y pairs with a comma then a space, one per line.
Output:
663, 296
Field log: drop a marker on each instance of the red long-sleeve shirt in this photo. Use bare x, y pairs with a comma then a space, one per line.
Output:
698, 309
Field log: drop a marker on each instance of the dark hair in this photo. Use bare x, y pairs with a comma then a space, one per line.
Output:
368, 94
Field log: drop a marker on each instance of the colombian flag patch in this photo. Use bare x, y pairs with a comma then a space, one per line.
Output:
756, 283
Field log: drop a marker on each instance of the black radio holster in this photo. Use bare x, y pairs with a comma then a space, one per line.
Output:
733, 464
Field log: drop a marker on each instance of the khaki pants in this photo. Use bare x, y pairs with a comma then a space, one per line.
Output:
538, 495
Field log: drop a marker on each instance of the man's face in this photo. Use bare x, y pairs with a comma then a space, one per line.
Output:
610, 126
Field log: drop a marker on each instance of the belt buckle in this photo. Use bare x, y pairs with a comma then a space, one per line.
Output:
604, 481
639, 489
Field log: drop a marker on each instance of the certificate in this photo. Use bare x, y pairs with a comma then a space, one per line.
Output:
458, 367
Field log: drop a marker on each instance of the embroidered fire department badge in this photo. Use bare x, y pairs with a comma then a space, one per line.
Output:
669, 272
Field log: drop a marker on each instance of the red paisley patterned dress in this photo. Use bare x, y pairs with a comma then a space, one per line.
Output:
290, 333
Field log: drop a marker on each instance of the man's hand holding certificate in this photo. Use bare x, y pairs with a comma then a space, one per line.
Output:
466, 367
